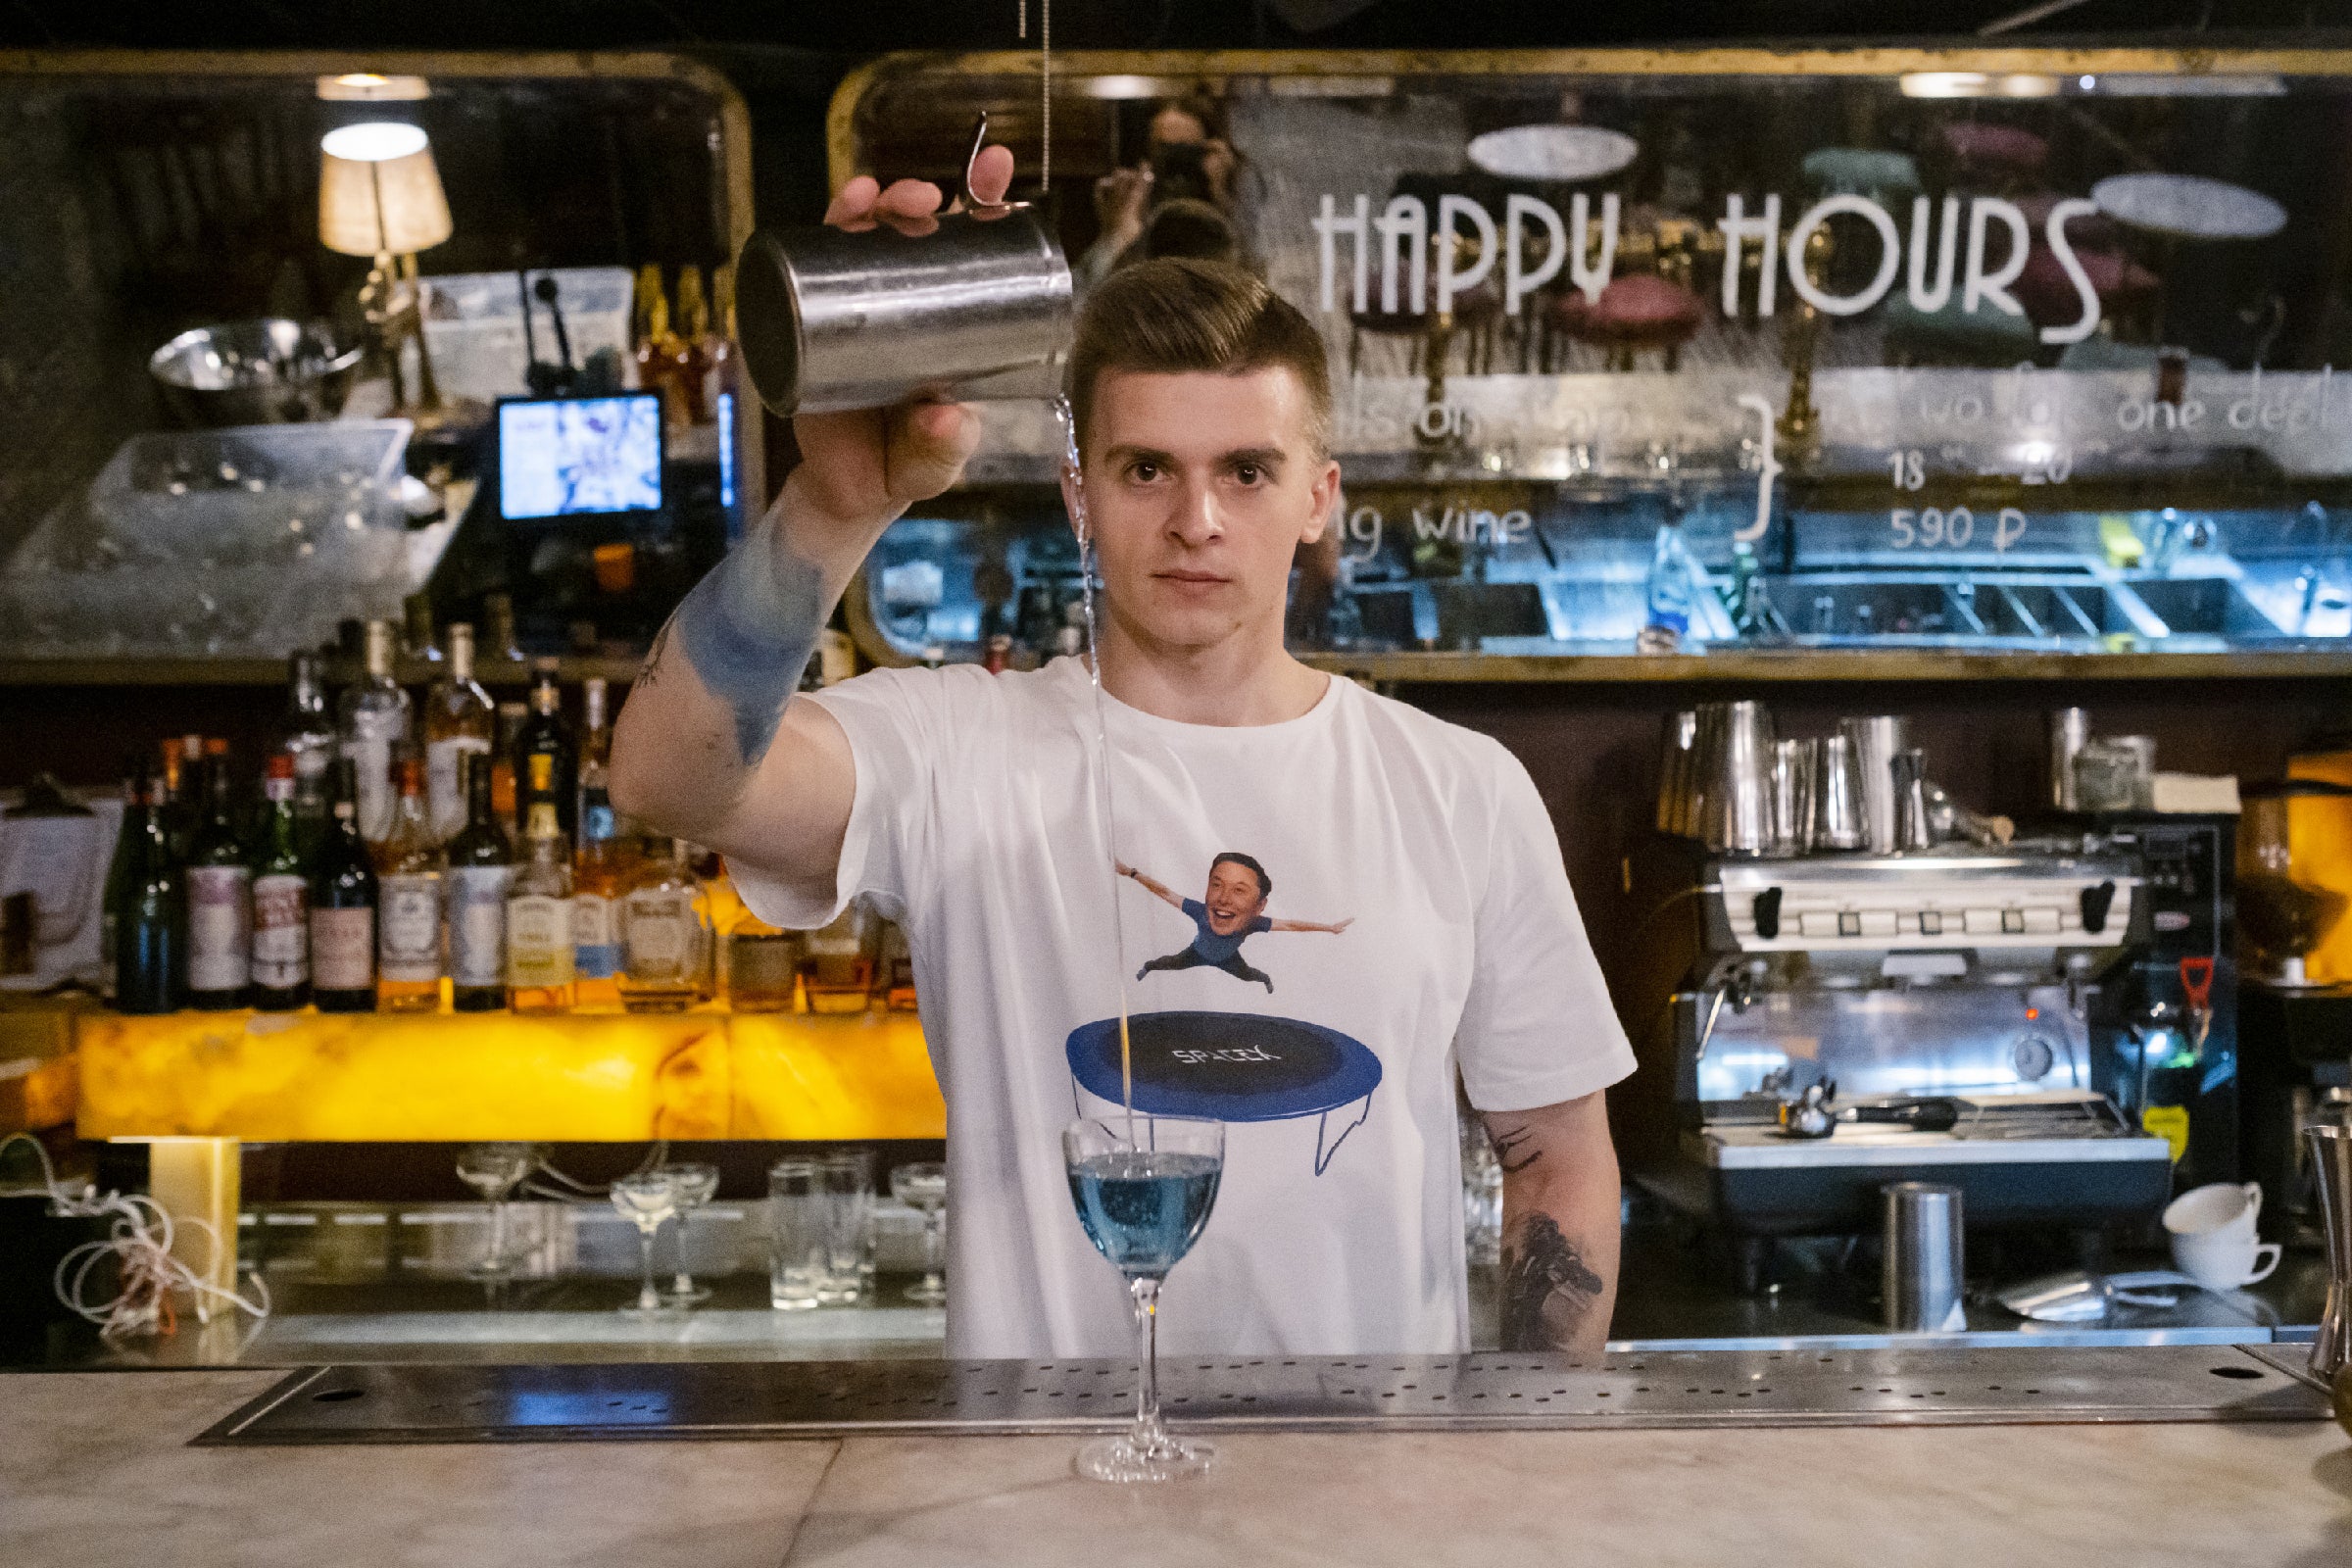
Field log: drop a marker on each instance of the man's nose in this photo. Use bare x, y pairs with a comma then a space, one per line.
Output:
1197, 520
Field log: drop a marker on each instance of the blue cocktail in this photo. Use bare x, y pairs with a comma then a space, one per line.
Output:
1144, 1187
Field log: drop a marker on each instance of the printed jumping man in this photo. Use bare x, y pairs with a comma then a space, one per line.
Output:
1233, 910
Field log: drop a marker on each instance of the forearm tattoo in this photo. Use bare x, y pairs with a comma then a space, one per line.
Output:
748, 628
1548, 1290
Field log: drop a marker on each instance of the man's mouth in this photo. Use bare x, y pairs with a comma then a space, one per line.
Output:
1191, 577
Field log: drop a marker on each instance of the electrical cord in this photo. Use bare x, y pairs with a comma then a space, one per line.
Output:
139, 1241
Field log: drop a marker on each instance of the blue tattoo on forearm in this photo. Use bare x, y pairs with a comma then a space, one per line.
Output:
748, 628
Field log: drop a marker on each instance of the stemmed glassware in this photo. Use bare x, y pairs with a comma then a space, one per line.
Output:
695, 1185
495, 1170
646, 1198
1144, 1187
923, 1187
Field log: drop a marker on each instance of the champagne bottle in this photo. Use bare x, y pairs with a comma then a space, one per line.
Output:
539, 951
481, 869
459, 721
546, 734
409, 874
220, 892
282, 898
343, 902
151, 919
373, 719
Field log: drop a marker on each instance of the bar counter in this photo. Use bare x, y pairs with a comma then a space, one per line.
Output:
98, 1469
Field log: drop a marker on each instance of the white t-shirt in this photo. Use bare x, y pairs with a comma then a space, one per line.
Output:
1331, 1058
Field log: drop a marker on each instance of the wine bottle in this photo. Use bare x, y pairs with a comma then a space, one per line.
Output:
546, 734
539, 953
282, 898
459, 721
343, 901
481, 869
220, 884
408, 921
151, 920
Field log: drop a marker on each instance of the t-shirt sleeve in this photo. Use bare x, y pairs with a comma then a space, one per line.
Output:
1538, 1027
1194, 910
1261, 923
902, 725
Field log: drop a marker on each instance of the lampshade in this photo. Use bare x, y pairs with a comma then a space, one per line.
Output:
378, 191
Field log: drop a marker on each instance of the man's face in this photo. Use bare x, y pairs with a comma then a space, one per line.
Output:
1173, 126
1199, 487
1233, 899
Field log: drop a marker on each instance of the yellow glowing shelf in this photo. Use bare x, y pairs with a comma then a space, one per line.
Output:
352, 1077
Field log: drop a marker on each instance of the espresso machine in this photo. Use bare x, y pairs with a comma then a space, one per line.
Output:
1971, 1016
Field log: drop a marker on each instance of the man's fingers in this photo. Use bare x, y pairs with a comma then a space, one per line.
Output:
908, 198
853, 206
992, 174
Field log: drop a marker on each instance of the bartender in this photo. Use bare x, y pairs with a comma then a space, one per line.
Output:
1396, 877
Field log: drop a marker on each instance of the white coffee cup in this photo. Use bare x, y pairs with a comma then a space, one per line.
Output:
2213, 1236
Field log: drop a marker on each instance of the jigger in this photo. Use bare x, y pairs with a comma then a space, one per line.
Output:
2331, 1150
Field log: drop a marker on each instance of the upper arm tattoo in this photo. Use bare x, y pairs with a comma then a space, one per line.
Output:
1515, 1148
1548, 1290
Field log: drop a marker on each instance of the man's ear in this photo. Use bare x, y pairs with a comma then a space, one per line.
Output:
1324, 498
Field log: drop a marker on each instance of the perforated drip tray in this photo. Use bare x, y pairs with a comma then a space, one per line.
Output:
473, 1404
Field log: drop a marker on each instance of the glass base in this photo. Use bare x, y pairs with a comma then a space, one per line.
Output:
659, 1313
1124, 1459
682, 1299
929, 1291
492, 1271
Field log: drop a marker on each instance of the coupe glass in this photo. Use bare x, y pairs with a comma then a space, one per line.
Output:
1144, 1187
646, 1198
495, 1170
696, 1186
923, 1187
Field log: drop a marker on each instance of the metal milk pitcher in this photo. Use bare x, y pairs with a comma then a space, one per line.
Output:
980, 310
2331, 1150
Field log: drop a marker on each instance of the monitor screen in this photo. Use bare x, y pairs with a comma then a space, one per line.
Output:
565, 457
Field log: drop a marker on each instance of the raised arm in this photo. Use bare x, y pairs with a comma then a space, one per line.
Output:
1311, 925
1559, 1225
1157, 889
711, 745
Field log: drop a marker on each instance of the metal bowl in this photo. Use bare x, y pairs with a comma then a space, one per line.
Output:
273, 371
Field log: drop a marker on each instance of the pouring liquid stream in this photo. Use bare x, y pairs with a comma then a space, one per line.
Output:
1093, 664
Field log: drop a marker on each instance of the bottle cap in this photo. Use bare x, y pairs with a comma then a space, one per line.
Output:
279, 765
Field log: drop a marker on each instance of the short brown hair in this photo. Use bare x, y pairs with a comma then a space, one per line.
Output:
1174, 316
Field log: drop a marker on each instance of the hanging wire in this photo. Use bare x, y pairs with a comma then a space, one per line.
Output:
1044, 97
1021, 25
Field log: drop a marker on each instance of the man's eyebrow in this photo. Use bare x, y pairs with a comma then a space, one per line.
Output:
1264, 456
1126, 451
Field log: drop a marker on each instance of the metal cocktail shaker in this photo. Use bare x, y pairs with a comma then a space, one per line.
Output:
1923, 1270
979, 310
1838, 821
2331, 1150
1739, 794
1876, 742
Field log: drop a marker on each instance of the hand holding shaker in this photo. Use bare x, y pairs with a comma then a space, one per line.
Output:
979, 308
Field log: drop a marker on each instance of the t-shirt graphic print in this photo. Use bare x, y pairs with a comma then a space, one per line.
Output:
1328, 918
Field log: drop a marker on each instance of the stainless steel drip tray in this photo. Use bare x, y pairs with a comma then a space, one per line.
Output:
1688, 1389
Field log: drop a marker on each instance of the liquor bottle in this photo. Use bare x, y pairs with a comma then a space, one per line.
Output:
219, 891
546, 734
694, 351
601, 871
662, 939
481, 867
498, 644
897, 969
837, 966
459, 721
720, 377
135, 816
658, 353
512, 717
417, 629
343, 899
1668, 591
408, 885
373, 722
282, 898
151, 912
175, 797
762, 961
306, 730
539, 957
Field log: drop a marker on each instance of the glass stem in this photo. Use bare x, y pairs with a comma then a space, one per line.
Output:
647, 1298
1149, 1434
682, 1284
498, 1234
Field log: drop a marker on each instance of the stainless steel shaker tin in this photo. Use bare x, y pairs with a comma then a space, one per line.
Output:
979, 310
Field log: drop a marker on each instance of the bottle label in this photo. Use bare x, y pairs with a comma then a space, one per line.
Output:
220, 927
595, 950
445, 789
478, 924
409, 928
658, 933
370, 749
538, 940
281, 931
342, 949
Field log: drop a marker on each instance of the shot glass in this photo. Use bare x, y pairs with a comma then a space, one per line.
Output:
800, 1233
846, 1177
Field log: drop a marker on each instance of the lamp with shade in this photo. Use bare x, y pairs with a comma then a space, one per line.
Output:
380, 196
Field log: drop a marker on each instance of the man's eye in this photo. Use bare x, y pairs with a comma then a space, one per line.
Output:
1248, 472
1143, 471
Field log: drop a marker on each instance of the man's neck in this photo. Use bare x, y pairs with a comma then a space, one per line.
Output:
1243, 680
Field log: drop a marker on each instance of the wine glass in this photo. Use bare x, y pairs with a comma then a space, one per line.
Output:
646, 1198
696, 1186
1144, 1187
495, 1170
923, 1187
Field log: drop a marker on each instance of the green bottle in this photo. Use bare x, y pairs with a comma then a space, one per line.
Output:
282, 898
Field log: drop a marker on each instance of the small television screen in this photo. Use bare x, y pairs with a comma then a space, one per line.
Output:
572, 456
